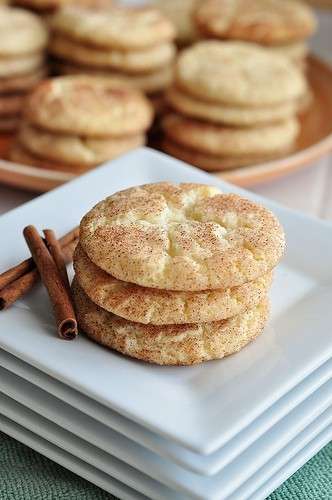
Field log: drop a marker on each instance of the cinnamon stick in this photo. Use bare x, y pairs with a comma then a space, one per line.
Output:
58, 293
56, 252
28, 265
20, 287
15, 290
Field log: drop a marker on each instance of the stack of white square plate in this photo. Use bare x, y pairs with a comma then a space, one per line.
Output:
232, 429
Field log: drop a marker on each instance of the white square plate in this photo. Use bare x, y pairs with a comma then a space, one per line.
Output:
111, 444
121, 471
200, 464
200, 407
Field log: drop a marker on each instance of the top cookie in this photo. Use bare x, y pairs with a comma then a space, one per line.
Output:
116, 27
181, 237
21, 32
88, 106
261, 21
238, 73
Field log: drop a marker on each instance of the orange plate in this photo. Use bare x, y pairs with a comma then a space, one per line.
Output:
314, 142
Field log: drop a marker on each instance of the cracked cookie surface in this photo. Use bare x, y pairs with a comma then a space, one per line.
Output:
182, 237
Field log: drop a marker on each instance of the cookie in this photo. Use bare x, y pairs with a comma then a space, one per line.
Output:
226, 114
15, 66
116, 28
266, 21
135, 61
11, 104
163, 307
182, 237
227, 141
18, 154
151, 82
239, 74
21, 32
169, 344
9, 123
73, 149
296, 52
86, 105
21, 83
180, 13
214, 163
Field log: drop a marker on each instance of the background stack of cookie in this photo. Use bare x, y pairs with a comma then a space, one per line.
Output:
23, 39
234, 104
134, 43
281, 26
175, 274
74, 123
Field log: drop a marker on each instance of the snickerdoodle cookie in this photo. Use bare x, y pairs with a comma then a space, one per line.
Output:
162, 307
21, 32
86, 105
237, 73
262, 21
185, 344
116, 27
182, 237
19, 154
75, 149
214, 163
150, 83
228, 114
133, 61
227, 141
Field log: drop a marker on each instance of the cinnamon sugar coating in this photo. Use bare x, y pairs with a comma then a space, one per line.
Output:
182, 237
169, 344
164, 307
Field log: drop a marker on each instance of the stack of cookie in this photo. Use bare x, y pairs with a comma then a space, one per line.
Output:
74, 123
134, 43
282, 26
235, 104
175, 274
22, 45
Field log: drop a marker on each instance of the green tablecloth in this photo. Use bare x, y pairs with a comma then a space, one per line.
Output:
26, 475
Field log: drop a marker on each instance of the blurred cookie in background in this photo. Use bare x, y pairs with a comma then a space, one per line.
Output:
150, 83
134, 43
234, 104
180, 13
215, 148
23, 44
73, 123
280, 25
